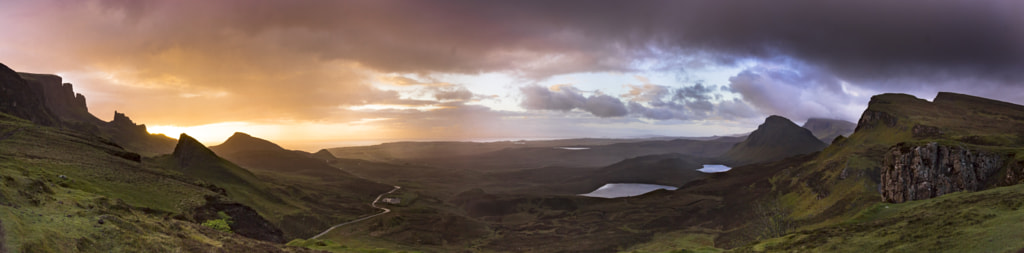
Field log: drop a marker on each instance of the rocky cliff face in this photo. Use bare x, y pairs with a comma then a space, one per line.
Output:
931, 170
61, 98
872, 118
19, 98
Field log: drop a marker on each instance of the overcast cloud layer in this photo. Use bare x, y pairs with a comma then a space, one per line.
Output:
200, 62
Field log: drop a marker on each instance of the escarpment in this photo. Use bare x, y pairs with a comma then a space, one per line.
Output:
931, 170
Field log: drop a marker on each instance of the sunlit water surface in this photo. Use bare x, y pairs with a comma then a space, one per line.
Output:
625, 190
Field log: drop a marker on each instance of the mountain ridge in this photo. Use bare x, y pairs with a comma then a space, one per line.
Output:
827, 130
46, 100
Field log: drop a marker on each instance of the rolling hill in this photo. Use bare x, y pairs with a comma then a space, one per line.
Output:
267, 158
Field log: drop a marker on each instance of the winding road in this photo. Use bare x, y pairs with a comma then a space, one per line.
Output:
373, 204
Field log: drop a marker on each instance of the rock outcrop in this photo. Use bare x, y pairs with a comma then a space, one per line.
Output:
931, 170
245, 221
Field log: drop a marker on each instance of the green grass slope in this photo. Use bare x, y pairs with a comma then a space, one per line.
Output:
323, 194
62, 191
194, 160
985, 221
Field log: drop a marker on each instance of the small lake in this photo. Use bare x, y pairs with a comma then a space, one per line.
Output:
610, 191
574, 148
714, 168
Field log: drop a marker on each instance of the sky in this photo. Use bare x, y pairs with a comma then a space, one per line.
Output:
310, 74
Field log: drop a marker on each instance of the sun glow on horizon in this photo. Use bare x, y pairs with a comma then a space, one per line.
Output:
207, 134
381, 107
290, 135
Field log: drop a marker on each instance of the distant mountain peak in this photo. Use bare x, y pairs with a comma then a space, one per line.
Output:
776, 138
244, 142
324, 155
776, 129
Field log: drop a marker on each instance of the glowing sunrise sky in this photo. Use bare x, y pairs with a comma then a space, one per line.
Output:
312, 74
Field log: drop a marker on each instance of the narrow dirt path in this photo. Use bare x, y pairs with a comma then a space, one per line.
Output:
373, 204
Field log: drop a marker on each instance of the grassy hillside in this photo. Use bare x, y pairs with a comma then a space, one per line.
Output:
986, 221
61, 191
318, 195
69, 181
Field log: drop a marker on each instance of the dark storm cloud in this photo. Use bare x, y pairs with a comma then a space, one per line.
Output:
855, 39
305, 58
605, 106
567, 98
797, 92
